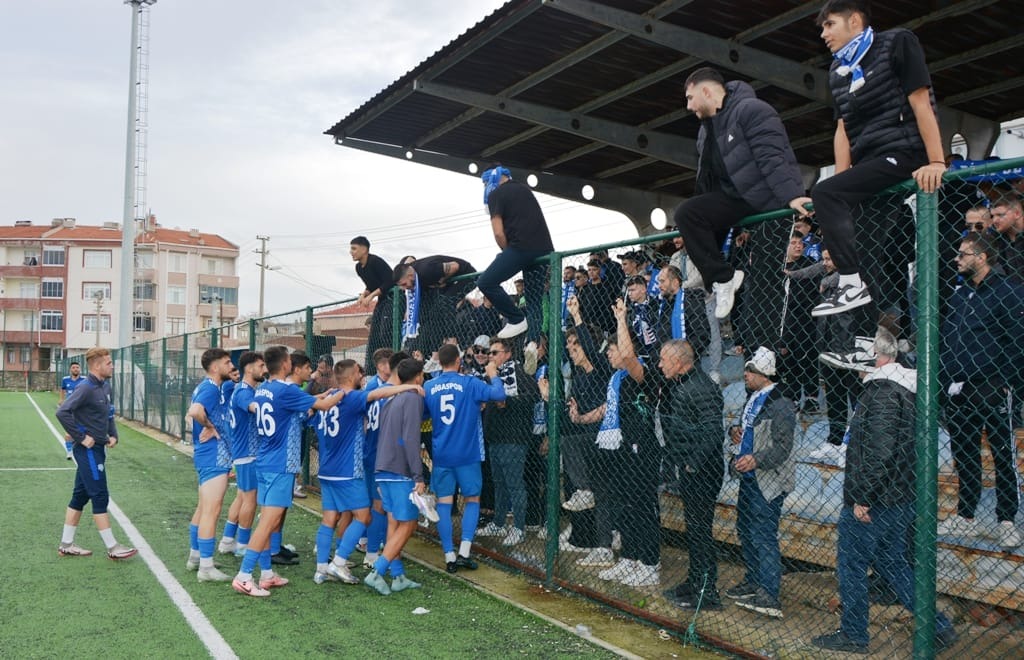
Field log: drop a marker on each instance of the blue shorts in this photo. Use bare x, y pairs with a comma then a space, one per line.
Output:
275, 489
344, 494
469, 479
396, 499
246, 477
207, 473
371, 487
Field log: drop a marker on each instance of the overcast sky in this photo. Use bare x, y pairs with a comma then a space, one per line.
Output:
240, 94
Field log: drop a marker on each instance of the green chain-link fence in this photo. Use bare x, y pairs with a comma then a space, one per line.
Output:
657, 509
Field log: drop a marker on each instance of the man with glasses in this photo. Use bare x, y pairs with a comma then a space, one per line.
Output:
980, 370
1008, 221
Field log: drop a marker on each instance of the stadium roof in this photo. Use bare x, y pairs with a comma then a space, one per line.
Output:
578, 92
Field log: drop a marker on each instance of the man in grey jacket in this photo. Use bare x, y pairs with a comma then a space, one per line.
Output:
745, 166
762, 447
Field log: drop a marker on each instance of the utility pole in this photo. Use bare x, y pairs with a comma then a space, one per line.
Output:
263, 268
98, 302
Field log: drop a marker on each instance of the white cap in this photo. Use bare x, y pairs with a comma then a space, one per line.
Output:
483, 341
763, 362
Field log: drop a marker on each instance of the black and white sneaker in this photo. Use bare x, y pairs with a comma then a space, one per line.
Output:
863, 361
846, 298
762, 603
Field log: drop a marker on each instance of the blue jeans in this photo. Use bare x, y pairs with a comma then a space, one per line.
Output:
509, 262
507, 461
757, 525
881, 543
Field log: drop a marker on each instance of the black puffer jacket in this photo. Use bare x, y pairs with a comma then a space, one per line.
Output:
691, 419
880, 457
755, 149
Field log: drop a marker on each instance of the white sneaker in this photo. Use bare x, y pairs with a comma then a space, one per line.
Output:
542, 533
491, 529
581, 500
530, 357
513, 330
1007, 536
642, 575
226, 547
426, 505
620, 570
211, 574
616, 540
192, 563
597, 557
846, 298
515, 536
958, 526
829, 454
341, 574
725, 294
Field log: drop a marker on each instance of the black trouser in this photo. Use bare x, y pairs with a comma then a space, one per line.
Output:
536, 475
699, 491
836, 197
841, 389
980, 406
640, 524
606, 470
704, 221
380, 330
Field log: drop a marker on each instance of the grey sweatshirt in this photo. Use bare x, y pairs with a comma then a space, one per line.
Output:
398, 445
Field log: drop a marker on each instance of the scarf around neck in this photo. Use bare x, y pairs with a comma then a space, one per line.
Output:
850, 55
411, 323
609, 436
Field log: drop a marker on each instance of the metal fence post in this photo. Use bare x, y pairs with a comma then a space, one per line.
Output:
927, 425
163, 380
182, 404
553, 302
252, 334
396, 318
309, 351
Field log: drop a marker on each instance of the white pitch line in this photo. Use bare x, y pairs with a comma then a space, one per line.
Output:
39, 469
208, 635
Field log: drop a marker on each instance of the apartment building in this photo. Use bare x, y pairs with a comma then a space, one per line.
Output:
60, 287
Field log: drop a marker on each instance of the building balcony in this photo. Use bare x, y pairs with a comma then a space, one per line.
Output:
24, 271
53, 337
14, 304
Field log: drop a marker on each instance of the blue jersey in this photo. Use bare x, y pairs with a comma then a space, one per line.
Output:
373, 411
243, 424
453, 401
68, 384
373, 383
280, 417
340, 430
214, 453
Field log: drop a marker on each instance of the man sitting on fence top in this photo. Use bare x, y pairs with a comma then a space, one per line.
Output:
886, 132
746, 166
980, 371
431, 299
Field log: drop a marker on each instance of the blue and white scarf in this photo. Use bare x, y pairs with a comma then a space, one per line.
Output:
492, 179
678, 315
850, 55
750, 413
540, 412
609, 436
642, 325
411, 322
568, 290
652, 283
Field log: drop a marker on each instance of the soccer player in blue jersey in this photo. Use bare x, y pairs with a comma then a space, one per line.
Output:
67, 386
211, 441
342, 472
281, 411
399, 472
242, 420
453, 400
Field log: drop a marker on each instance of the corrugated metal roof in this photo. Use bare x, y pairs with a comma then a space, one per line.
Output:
529, 50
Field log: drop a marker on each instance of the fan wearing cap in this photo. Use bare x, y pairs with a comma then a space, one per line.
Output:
762, 448
521, 232
322, 378
477, 366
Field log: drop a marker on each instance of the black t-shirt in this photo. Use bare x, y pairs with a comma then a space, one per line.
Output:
525, 227
638, 403
908, 64
431, 269
375, 275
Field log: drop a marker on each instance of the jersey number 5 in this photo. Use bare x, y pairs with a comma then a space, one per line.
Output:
447, 408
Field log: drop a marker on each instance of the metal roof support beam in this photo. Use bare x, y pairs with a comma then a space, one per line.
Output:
633, 203
570, 60
669, 148
807, 81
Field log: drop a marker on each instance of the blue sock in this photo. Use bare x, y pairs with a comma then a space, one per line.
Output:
275, 542
397, 568
324, 540
193, 537
244, 534
264, 559
68, 445
249, 561
349, 539
470, 519
444, 526
381, 565
377, 532
230, 529
206, 547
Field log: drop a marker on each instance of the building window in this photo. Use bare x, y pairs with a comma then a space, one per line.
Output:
143, 259
31, 258
96, 258
175, 325
53, 289
53, 256
90, 289
177, 262
11, 354
52, 320
145, 290
175, 295
142, 322
89, 323
28, 290
211, 266
225, 295
26, 354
